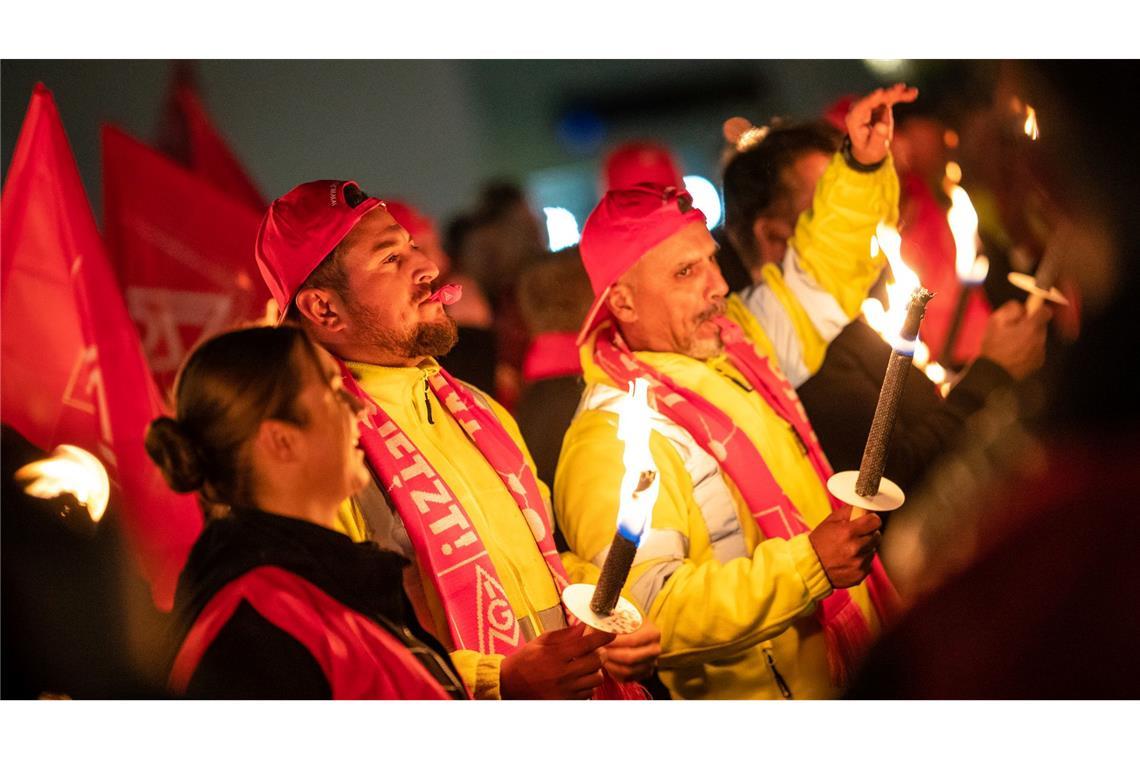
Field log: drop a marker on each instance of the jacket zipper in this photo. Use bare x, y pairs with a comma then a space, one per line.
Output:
427, 400
780, 682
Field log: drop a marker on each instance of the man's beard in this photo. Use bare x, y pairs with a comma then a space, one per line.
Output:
425, 339
705, 348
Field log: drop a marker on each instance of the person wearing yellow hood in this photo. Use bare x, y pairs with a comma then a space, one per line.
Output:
453, 490
761, 584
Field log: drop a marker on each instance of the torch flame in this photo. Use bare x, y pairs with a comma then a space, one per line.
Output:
1031, 130
963, 221
71, 470
639, 483
888, 323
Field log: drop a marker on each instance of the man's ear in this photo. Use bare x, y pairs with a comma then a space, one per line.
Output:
279, 441
321, 307
621, 304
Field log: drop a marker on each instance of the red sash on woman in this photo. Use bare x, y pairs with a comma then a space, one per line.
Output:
479, 615
845, 627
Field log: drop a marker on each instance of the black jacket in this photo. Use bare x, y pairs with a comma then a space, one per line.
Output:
840, 401
252, 658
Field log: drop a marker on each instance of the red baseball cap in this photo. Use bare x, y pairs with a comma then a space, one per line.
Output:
641, 162
626, 224
300, 230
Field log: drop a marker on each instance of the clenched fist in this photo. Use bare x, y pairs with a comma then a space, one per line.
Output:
845, 547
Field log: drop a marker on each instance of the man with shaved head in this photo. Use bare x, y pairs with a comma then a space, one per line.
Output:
761, 584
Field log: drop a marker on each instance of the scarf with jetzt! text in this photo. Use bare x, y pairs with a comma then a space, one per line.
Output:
844, 624
447, 546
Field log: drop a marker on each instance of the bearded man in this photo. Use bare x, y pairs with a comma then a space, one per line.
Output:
454, 489
760, 583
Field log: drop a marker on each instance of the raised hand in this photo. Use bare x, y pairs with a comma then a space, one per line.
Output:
561, 664
870, 122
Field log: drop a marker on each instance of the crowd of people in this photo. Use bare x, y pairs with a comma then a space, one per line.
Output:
399, 481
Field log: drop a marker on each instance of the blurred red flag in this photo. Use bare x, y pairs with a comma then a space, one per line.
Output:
188, 136
182, 250
73, 371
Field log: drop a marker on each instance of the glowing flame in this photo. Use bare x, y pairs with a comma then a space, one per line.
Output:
71, 470
888, 323
1031, 123
639, 483
963, 221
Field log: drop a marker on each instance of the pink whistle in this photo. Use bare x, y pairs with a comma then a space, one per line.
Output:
447, 295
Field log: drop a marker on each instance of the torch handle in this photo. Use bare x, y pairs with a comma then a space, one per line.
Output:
615, 571
875, 452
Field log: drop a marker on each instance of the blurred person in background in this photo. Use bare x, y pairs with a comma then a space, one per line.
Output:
761, 584
493, 242
554, 296
273, 603
1020, 549
473, 357
833, 358
453, 489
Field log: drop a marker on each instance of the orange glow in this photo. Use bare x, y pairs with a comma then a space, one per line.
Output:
963, 220
72, 470
888, 323
1031, 130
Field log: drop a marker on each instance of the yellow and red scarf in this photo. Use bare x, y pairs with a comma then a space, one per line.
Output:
479, 615
845, 627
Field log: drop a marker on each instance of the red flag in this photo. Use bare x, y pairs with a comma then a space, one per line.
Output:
73, 371
182, 249
189, 137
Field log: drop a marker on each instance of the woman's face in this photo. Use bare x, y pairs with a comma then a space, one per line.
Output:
334, 465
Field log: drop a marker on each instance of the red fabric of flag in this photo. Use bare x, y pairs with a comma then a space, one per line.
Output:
73, 370
182, 250
190, 137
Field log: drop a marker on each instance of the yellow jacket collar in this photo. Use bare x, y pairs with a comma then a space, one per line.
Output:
393, 384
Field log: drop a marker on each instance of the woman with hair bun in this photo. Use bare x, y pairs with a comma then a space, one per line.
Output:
274, 603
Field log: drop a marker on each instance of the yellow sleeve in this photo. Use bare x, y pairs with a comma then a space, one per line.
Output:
833, 237
705, 609
480, 672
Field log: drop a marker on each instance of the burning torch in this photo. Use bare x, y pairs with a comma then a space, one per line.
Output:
970, 267
866, 489
602, 606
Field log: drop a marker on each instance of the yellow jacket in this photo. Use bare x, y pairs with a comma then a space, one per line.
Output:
798, 307
492, 510
734, 607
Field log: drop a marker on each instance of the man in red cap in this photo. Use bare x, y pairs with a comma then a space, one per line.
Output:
761, 584
454, 489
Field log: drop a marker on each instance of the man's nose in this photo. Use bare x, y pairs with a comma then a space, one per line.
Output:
426, 271
717, 287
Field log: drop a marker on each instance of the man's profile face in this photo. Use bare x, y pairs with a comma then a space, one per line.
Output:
777, 225
674, 291
389, 281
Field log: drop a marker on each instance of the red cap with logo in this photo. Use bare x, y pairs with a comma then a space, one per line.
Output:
641, 162
300, 230
626, 224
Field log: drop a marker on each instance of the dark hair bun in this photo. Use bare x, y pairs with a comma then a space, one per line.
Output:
175, 454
